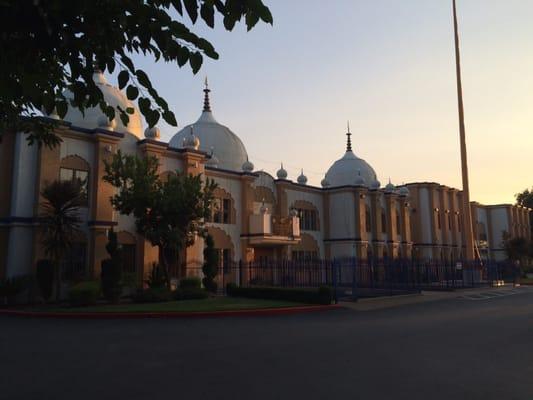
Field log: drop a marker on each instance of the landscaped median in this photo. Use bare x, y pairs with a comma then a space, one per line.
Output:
216, 306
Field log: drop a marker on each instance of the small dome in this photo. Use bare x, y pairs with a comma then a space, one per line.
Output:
115, 98
324, 183
302, 179
359, 180
293, 212
375, 185
247, 166
191, 141
389, 188
229, 148
404, 191
282, 173
213, 160
152, 133
105, 123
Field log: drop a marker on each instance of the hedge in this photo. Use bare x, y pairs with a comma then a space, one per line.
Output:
84, 293
322, 295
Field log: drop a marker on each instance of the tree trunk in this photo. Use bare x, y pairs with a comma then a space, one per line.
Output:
164, 263
57, 273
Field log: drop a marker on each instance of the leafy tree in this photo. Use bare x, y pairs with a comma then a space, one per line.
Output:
210, 267
517, 248
48, 46
170, 212
111, 274
60, 221
525, 199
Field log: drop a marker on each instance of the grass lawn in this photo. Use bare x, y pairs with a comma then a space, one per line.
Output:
211, 304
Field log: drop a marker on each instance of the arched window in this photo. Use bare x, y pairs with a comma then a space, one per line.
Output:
75, 168
383, 221
222, 210
308, 213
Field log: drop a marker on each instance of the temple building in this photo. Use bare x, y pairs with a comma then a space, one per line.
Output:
257, 216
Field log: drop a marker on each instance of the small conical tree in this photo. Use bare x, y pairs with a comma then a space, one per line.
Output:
210, 267
111, 274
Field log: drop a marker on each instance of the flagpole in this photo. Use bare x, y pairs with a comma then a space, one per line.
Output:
467, 213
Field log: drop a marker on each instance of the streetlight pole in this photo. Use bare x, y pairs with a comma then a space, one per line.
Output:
467, 213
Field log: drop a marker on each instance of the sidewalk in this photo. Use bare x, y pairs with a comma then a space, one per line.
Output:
378, 303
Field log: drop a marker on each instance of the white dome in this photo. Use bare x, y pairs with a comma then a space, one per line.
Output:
346, 171
230, 150
247, 166
350, 169
114, 97
302, 179
324, 183
359, 180
404, 191
282, 173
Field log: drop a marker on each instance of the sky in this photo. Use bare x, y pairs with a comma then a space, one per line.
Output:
387, 66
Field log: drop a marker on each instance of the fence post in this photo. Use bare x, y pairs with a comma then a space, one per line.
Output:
355, 295
334, 279
240, 272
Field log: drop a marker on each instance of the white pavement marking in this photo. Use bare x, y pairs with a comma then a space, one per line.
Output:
493, 294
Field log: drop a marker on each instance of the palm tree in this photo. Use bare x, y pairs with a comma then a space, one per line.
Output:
60, 221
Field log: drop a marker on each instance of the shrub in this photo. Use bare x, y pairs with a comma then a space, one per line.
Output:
191, 294
190, 283
111, 274
321, 296
210, 267
10, 288
45, 278
84, 293
152, 295
157, 278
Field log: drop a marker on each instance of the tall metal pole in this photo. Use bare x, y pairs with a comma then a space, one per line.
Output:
467, 213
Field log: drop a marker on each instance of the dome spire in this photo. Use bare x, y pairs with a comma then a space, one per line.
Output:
207, 106
348, 138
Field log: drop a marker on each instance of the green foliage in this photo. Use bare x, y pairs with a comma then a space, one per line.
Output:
323, 295
518, 248
48, 47
158, 277
10, 288
111, 274
191, 293
84, 293
190, 283
182, 202
525, 199
60, 220
210, 267
45, 278
152, 295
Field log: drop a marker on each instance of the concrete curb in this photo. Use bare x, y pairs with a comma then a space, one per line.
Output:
194, 314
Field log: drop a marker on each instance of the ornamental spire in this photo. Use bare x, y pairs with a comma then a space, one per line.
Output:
348, 138
207, 107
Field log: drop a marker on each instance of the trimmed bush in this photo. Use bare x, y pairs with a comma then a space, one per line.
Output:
45, 278
152, 295
84, 293
190, 294
10, 288
321, 296
190, 283
111, 274
210, 267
